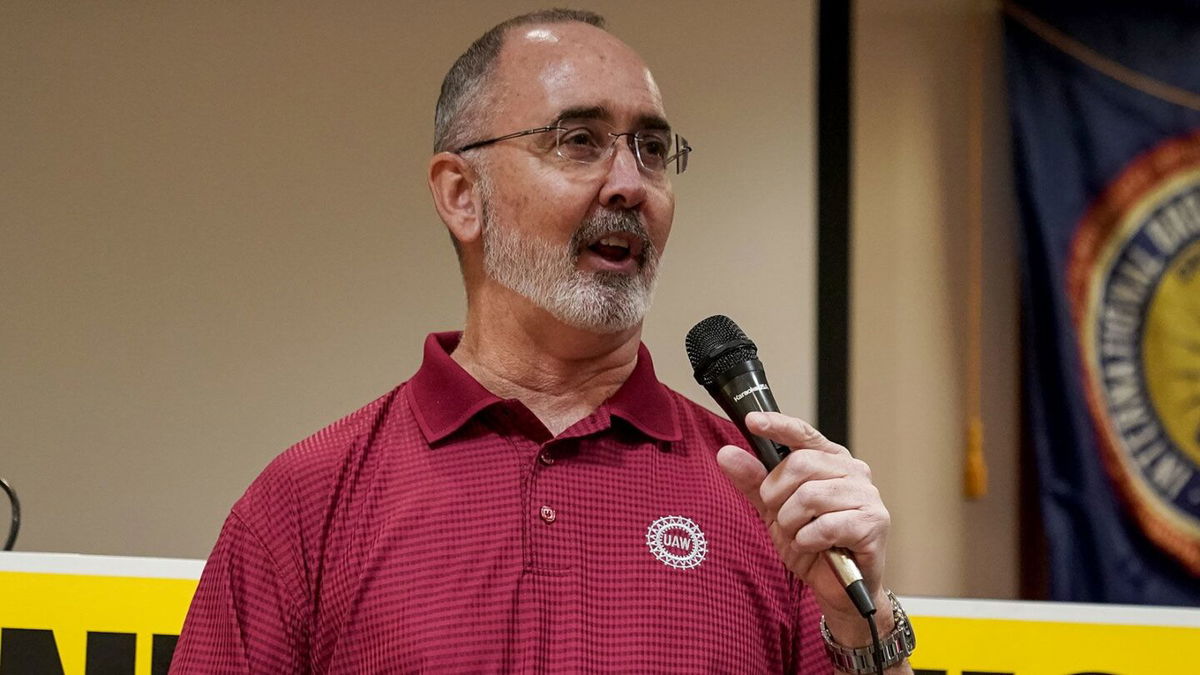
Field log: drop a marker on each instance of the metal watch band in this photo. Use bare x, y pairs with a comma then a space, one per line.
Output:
897, 645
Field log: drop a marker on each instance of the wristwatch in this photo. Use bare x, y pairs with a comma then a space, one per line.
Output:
897, 645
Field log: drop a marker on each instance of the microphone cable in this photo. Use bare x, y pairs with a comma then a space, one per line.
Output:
876, 643
15, 527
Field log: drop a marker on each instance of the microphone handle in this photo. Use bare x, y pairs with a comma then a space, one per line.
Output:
743, 389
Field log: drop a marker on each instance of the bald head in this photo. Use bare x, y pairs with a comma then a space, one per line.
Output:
465, 88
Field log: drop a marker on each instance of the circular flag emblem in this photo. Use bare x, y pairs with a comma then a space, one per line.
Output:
677, 542
1134, 285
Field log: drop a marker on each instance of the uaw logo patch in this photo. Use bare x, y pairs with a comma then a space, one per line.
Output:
1134, 284
677, 542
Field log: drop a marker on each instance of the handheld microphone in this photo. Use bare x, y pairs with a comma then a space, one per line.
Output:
725, 362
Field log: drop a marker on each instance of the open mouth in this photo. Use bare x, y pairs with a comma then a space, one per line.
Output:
617, 247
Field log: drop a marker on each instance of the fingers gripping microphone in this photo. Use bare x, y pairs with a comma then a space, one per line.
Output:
725, 362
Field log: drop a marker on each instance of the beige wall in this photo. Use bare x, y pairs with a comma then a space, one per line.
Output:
913, 82
215, 236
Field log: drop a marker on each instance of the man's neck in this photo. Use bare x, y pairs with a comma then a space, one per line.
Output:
562, 374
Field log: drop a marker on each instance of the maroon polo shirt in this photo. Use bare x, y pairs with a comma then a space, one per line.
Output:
443, 529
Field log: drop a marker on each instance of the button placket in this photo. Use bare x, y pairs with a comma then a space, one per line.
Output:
552, 537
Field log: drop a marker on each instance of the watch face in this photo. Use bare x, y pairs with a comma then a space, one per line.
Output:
903, 625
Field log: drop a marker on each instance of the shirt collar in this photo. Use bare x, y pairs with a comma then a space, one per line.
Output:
645, 402
445, 396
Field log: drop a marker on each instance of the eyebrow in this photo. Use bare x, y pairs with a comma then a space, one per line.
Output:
599, 112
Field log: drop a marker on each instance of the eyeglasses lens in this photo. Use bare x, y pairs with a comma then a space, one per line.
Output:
589, 141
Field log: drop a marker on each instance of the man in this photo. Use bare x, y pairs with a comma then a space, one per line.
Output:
533, 499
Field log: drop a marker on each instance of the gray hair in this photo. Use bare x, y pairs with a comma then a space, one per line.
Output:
459, 105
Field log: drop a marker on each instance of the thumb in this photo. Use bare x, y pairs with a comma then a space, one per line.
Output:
744, 471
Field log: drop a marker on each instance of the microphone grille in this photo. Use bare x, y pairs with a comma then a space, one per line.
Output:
715, 344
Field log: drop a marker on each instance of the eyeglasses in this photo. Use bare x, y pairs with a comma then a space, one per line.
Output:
588, 141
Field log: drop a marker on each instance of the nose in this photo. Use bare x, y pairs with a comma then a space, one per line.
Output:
624, 183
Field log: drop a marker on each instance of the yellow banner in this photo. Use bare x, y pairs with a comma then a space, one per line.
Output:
957, 646
63, 622
57, 615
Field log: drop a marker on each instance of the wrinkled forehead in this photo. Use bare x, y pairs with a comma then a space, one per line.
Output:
546, 70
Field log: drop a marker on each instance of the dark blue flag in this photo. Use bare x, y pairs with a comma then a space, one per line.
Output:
1105, 102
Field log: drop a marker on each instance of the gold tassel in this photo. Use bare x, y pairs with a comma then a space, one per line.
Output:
975, 476
975, 467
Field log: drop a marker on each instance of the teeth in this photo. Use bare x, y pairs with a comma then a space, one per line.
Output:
614, 241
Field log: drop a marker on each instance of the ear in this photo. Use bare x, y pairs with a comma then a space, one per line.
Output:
452, 182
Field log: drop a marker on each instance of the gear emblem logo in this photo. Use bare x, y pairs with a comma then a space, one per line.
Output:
677, 542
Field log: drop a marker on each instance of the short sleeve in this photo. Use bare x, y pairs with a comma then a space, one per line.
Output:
243, 618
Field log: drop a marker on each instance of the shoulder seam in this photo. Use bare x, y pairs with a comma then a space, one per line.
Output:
245, 525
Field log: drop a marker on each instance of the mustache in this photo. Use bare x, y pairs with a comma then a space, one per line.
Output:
611, 222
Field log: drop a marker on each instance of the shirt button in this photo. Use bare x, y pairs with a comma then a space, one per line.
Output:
545, 457
548, 514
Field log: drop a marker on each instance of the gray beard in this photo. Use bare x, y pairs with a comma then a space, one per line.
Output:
548, 276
